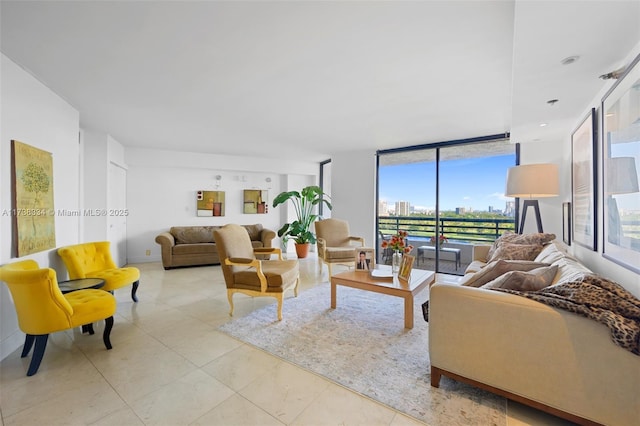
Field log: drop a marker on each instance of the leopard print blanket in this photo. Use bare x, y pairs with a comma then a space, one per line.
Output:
597, 298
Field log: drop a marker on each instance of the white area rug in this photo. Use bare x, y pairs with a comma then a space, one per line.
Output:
363, 345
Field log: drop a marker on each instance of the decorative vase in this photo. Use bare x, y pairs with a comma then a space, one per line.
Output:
396, 260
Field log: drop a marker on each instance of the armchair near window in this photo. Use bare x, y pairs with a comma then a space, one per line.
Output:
93, 260
244, 273
335, 245
43, 309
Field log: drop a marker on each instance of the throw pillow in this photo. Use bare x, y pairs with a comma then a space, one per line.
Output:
533, 280
516, 252
494, 269
527, 239
539, 238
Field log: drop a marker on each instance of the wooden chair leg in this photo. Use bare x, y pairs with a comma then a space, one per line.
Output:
295, 289
230, 297
134, 289
279, 297
28, 344
108, 325
38, 353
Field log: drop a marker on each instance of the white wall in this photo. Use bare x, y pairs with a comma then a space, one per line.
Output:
95, 149
33, 114
162, 185
594, 259
353, 181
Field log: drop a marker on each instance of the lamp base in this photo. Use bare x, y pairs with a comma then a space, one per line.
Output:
536, 208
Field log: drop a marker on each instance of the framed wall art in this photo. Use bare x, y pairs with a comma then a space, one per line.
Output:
34, 227
583, 182
255, 201
620, 164
210, 203
566, 223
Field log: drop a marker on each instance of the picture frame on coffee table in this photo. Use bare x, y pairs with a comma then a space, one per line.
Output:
405, 267
368, 256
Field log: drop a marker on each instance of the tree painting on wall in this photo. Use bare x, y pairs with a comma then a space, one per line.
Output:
32, 191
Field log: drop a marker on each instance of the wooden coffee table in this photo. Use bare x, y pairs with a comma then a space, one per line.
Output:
391, 286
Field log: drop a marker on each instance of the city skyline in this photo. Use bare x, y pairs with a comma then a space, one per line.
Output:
472, 183
407, 208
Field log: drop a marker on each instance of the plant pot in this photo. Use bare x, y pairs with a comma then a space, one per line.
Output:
302, 250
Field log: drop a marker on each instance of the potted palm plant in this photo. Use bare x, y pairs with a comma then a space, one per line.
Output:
304, 203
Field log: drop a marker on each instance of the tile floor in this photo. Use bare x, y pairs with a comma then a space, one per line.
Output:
170, 366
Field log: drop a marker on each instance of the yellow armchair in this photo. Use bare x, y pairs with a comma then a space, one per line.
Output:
43, 309
93, 260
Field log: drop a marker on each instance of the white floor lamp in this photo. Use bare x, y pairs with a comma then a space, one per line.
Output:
532, 181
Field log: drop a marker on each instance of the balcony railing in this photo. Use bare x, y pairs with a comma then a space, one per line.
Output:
461, 229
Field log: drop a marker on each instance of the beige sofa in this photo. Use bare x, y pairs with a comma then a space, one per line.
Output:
195, 245
545, 357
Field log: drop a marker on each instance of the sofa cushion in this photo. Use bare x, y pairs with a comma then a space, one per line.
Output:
192, 234
527, 239
494, 269
549, 254
199, 248
516, 252
570, 270
533, 280
339, 253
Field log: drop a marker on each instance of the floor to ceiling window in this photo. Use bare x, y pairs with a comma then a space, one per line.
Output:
447, 196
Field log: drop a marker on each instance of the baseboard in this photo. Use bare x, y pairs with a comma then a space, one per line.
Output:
143, 259
11, 343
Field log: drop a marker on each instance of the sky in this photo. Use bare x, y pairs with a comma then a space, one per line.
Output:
475, 183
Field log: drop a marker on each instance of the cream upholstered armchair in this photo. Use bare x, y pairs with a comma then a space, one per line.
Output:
335, 245
43, 309
93, 260
244, 273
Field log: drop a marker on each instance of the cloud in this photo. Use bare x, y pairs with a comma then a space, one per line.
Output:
500, 196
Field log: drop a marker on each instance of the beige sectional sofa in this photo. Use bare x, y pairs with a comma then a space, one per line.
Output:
195, 245
542, 356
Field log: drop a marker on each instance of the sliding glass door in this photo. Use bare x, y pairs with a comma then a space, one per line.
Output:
447, 197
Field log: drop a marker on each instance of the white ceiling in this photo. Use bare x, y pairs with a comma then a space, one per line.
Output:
304, 79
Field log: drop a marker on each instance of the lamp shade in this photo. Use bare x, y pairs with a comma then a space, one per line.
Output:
532, 181
622, 177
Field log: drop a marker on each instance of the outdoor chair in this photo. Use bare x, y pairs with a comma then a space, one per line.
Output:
387, 252
244, 273
335, 244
